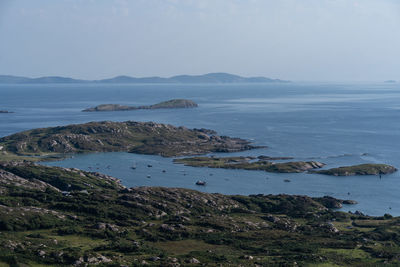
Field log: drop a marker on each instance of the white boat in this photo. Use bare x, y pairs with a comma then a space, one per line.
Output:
133, 165
199, 182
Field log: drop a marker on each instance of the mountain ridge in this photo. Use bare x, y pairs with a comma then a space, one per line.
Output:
217, 77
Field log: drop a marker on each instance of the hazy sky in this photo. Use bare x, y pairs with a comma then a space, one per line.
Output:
332, 40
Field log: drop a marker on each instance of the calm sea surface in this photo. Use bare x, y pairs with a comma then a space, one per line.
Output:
338, 124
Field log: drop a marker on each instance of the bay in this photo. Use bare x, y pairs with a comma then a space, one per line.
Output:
335, 123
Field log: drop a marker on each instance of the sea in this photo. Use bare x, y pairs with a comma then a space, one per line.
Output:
339, 124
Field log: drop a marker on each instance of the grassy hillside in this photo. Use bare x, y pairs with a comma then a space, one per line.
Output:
56, 216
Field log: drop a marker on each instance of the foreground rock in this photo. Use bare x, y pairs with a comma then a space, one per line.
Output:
46, 219
247, 163
363, 169
136, 137
174, 103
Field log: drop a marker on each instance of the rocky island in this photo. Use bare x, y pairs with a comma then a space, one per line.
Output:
250, 163
136, 137
174, 103
362, 169
63, 217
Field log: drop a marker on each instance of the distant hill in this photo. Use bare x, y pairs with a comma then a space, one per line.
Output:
205, 78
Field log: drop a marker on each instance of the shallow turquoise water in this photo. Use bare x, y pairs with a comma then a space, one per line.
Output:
338, 124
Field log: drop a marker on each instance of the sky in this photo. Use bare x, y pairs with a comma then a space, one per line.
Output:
299, 40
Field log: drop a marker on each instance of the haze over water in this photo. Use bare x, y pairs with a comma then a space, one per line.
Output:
337, 124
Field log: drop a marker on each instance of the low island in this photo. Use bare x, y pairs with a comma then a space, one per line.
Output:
170, 104
5, 111
362, 169
250, 163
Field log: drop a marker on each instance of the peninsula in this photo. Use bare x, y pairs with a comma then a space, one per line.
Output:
170, 104
249, 163
136, 137
263, 163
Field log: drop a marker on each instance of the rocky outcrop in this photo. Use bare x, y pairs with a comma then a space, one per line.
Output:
362, 169
174, 103
136, 137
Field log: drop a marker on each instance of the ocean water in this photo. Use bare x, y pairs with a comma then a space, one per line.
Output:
336, 123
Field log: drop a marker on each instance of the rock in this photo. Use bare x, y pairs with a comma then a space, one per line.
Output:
41, 253
194, 261
155, 258
350, 202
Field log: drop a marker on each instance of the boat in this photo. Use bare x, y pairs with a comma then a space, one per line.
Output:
149, 176
199, 182
149, 165
286, 181
133, 166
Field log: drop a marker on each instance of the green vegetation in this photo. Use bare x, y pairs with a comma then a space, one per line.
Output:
136, 137
363, 169
57, 216
248, 163
174, 103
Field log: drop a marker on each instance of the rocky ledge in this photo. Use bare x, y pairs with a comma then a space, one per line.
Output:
248, 163
136, 137
174, 103
362, 169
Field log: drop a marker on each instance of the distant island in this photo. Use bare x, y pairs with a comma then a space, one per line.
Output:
390, 81
205, 78
174, 103
5, 111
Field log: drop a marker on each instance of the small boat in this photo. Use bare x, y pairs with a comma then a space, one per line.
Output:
149, 176
164, 171
287, 181
133, 165
199, 182
149, 165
